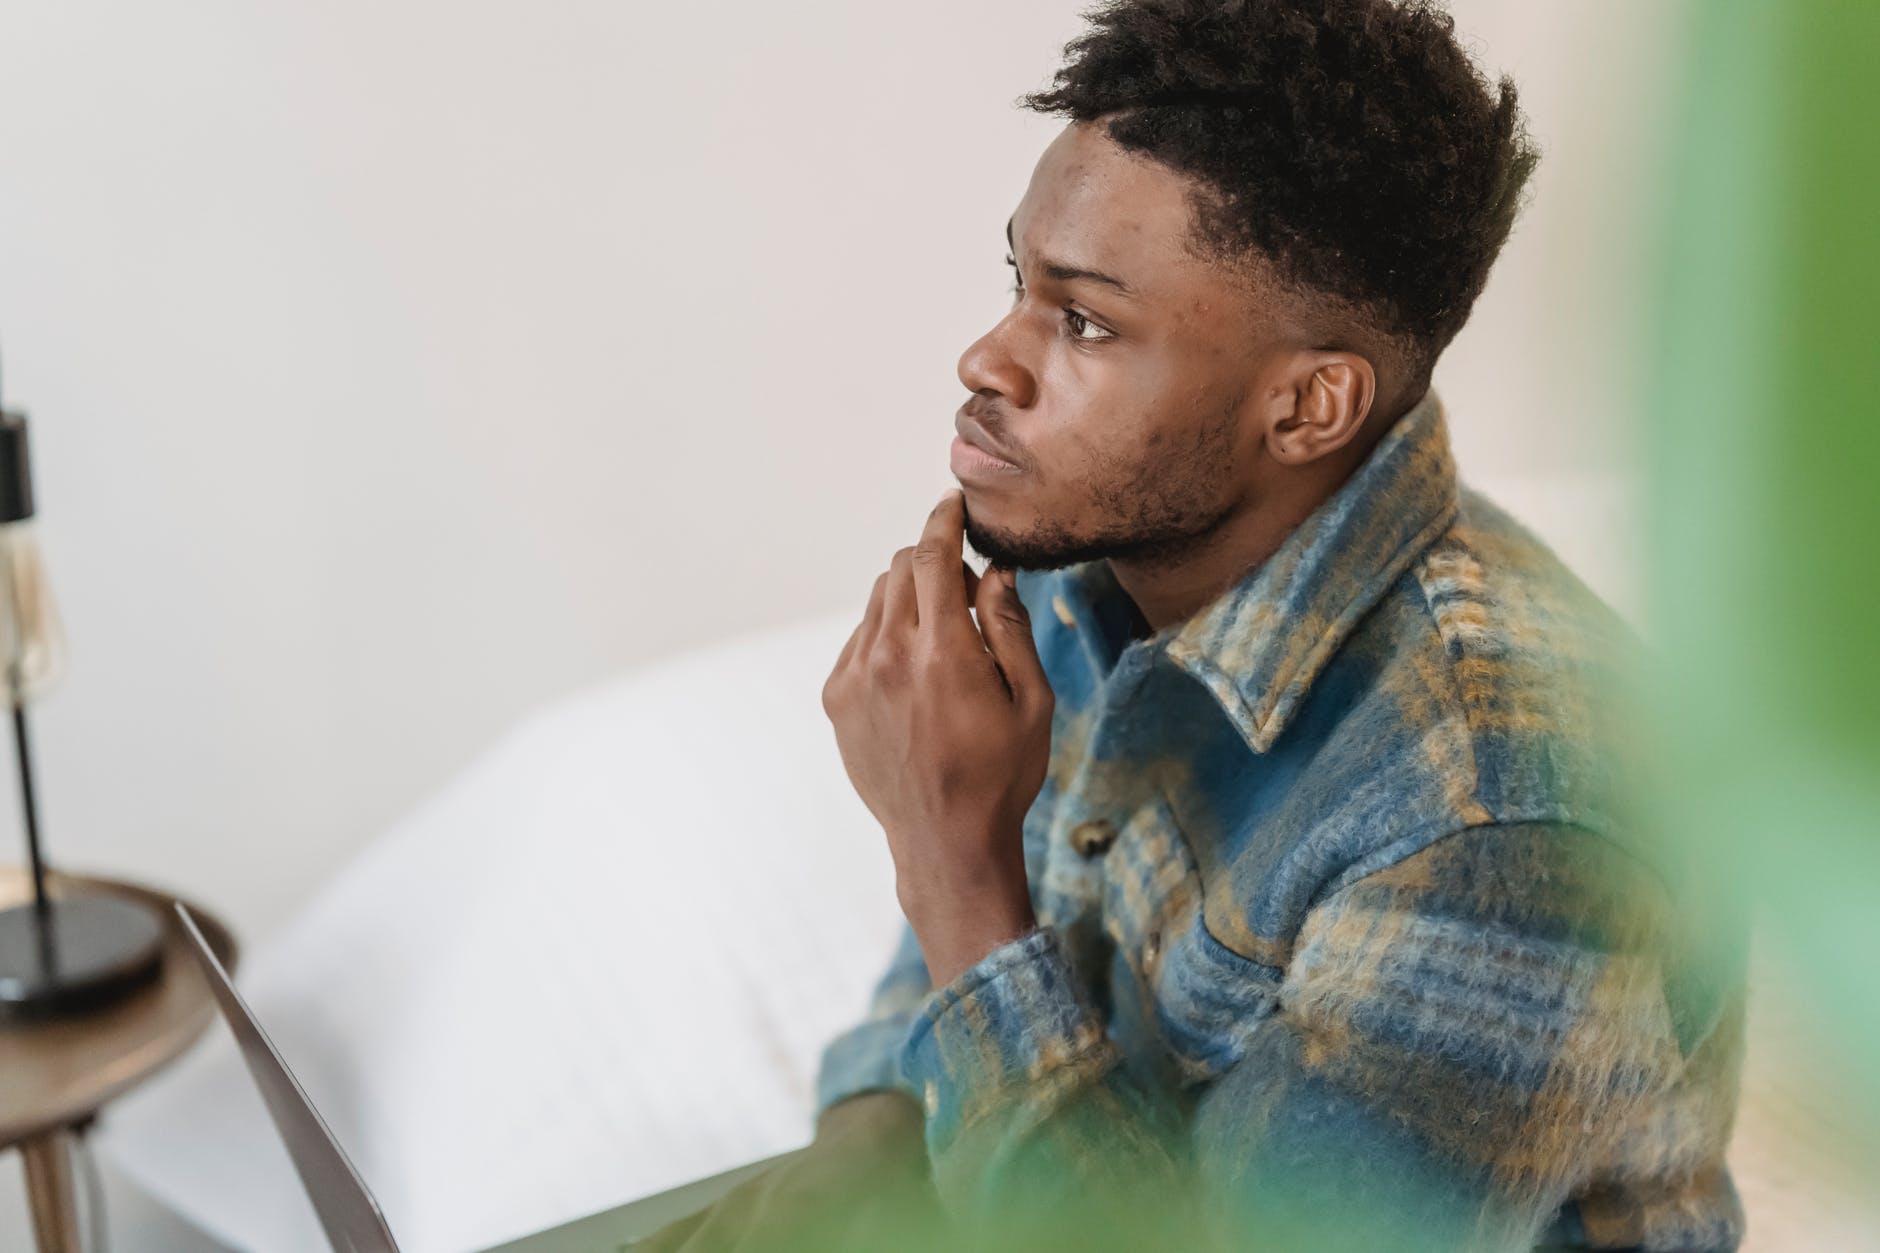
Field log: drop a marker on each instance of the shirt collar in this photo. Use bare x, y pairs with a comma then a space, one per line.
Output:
1259, 646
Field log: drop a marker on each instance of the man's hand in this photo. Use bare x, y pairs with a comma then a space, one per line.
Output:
862, 1187
945, 729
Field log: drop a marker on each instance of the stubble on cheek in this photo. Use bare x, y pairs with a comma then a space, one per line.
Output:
1180, 479
1154, 500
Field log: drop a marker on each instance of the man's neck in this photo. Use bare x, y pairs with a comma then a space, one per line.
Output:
1168, 592
1171, 591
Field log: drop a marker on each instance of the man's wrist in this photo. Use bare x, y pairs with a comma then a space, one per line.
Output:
954, 945
962, 908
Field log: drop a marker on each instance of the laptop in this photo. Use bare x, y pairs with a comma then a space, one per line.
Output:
344, 1205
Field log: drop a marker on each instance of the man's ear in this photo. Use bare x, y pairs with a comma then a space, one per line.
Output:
1331, 396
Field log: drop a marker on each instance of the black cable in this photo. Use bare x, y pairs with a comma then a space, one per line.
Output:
29, 807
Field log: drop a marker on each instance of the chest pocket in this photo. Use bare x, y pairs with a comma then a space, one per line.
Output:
1204, 999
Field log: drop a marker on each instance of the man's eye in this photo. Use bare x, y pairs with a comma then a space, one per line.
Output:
1081, 327
1018, 280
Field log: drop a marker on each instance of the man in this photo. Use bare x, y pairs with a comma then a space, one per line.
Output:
1261, 843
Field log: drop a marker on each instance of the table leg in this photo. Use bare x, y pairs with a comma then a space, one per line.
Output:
49, 1191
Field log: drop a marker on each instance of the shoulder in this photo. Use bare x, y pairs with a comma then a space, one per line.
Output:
1486, 689
1539, 671
1495, 685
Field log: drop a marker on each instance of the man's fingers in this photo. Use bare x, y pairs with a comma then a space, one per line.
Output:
940, 591
850, 645
899, 611
1006, 625
864, 638
864, 630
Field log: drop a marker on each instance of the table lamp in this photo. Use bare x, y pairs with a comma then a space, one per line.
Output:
70, 952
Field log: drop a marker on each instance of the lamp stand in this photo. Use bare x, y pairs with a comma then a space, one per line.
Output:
61, 955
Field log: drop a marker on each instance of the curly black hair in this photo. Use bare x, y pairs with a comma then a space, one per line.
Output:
1350, 144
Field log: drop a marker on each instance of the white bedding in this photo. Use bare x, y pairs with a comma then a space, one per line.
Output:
601, 962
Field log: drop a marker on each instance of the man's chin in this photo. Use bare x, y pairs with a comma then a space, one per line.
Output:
1039, 544
1039, 547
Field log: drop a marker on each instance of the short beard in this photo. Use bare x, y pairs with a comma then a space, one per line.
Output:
1160, 511
1052, 546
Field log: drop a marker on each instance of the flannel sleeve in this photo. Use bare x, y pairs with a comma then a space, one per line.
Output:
866, 1057
1454, 1037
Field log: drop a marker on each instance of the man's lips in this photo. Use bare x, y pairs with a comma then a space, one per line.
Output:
975, 453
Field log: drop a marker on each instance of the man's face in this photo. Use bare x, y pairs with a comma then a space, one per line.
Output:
1116, 386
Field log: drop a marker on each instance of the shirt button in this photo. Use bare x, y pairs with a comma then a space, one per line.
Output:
1093, 838
932, 1098
1063, 611
1151, 949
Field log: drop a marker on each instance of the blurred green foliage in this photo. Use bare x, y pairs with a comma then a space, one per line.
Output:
1765, 489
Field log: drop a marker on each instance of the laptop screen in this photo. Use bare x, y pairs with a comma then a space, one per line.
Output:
347, 1212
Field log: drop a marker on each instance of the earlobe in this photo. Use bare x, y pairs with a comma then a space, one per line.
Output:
1329, 408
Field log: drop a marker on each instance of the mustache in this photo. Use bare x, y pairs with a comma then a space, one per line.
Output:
985, 411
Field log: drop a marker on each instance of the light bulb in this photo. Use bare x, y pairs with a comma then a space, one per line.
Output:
32, 638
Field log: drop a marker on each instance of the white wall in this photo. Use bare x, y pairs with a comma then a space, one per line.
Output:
398, 365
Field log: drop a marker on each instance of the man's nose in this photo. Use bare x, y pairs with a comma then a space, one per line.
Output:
989, 366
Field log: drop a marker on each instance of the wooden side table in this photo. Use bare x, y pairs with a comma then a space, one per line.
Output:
56, 1075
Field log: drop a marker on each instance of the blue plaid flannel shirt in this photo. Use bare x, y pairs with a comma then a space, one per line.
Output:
1339, 910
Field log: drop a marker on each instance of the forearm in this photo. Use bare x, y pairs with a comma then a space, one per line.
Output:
866, 1057
1438, 1063
1024, 1092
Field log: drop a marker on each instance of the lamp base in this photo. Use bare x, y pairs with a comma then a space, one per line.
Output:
79, 953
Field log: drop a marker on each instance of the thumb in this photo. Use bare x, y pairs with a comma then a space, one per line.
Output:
1006, 625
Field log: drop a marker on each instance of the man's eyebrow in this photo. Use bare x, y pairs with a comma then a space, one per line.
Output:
1059, 272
